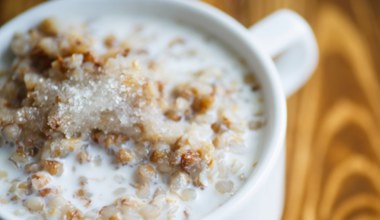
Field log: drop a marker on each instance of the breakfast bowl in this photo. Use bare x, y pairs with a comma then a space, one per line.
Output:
284, 36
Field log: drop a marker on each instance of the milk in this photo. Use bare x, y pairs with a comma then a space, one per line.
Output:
107, 181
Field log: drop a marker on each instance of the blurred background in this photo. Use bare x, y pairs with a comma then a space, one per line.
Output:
333, 139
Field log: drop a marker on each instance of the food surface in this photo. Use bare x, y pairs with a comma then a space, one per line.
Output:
141, 119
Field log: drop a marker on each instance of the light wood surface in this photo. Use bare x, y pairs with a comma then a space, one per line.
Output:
333, 140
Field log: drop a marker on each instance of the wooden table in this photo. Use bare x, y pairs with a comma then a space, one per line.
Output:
333, 141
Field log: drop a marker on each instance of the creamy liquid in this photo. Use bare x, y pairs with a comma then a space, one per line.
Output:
107, 181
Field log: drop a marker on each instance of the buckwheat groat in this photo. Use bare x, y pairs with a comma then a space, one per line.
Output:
102, 123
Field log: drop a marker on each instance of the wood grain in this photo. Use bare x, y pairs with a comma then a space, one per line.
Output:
333, 140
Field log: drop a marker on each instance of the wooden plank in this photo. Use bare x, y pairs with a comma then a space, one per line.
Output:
11, 8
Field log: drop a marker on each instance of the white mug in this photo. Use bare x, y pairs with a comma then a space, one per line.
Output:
283, 35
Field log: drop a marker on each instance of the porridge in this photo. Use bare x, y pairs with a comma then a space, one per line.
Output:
141, 119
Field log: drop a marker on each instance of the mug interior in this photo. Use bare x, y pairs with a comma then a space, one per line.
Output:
204, 18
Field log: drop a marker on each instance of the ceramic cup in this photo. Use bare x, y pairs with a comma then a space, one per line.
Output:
284, 36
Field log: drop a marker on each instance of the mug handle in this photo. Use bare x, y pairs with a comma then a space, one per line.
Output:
289, 40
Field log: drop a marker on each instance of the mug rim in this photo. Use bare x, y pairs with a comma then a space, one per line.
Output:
273, 89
